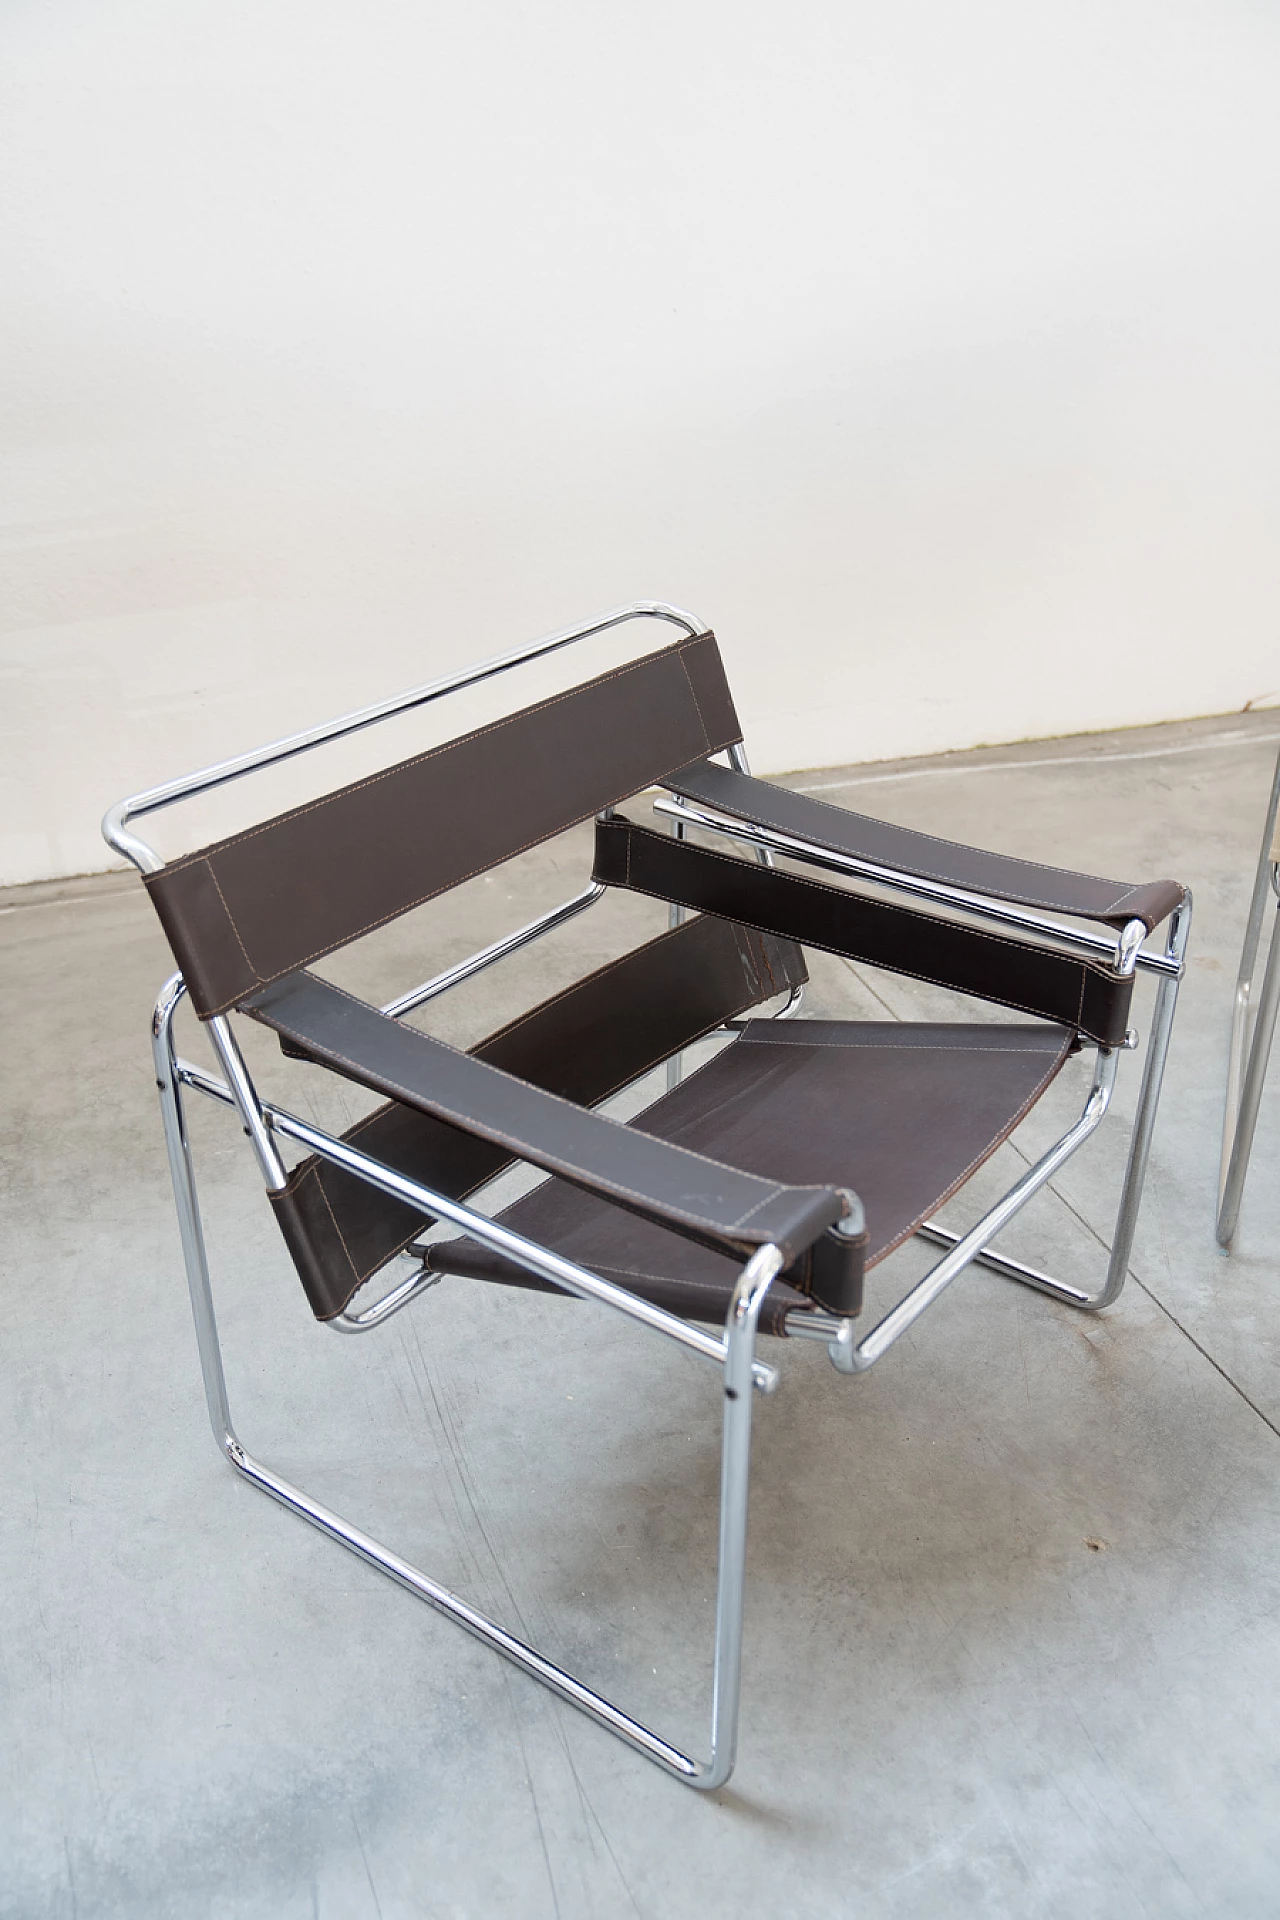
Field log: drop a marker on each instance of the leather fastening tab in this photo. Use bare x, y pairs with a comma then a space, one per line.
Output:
996, 875
262, 904
831, 1273
716, 1205
1008, 971
583, 1044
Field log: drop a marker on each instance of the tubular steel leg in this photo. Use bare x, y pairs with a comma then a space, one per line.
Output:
1136, 1167
741, 1327
1242, 1016
188, 1207
1145, 1120
735, 1471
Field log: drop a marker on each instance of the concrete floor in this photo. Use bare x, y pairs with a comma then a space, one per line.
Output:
1013, 1633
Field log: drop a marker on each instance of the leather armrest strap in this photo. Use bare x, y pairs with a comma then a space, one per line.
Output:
999, 877
1013, 973
716, 1205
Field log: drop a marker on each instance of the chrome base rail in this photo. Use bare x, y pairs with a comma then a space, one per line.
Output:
741, 1372
1011, 1269
517, 1651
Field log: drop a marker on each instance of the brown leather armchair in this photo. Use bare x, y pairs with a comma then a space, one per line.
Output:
755, 1194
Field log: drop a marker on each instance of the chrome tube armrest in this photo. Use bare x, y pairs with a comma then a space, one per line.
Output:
994, 887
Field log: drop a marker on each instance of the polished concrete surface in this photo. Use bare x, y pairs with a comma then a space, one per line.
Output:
1013, 1629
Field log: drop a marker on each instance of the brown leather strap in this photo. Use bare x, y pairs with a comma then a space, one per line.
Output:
716, 1205
260, 905
1022, 882
902, 1113
1010, 972
584, 1044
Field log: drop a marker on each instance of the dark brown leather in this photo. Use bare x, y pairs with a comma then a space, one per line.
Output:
583, 1044
714, 1204
902, 1114
995, 967
1001, 878
262, 904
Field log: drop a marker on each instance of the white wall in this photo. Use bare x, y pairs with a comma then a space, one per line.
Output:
928, 350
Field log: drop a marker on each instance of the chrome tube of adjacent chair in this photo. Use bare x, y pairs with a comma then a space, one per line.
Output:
1242, 1118
1251, 1029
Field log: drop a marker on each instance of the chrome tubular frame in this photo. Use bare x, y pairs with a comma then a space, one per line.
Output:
1252, 1028
510, 943
734, 1352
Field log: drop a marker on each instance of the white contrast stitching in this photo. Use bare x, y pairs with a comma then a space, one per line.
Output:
697, 705
234, 928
